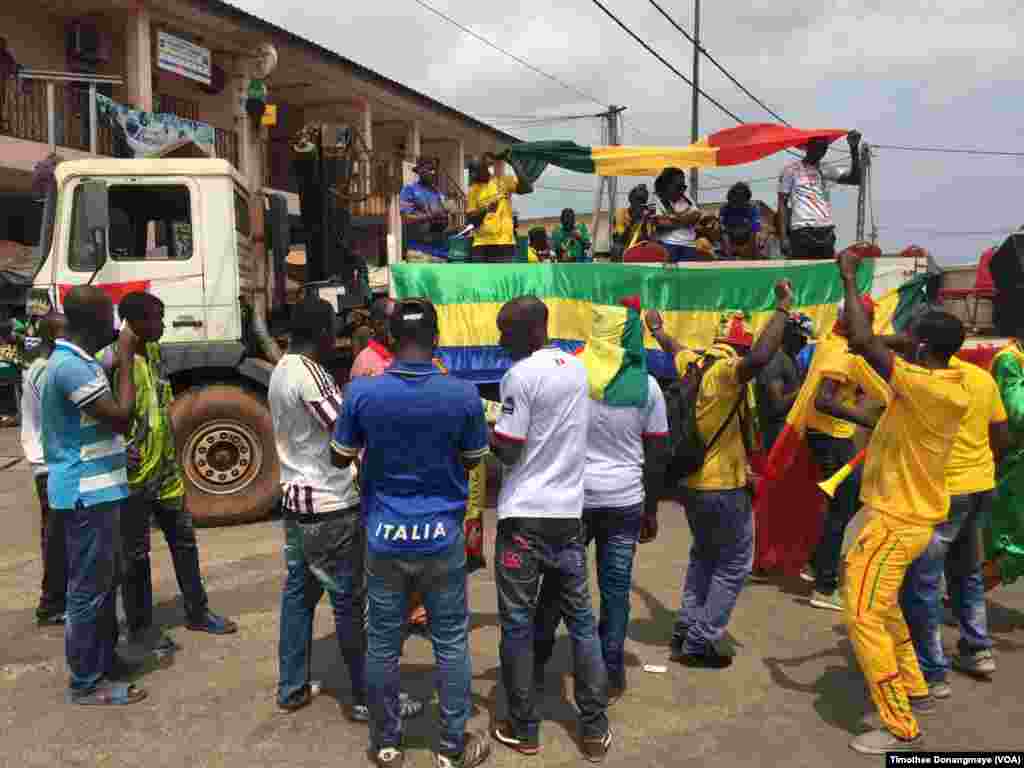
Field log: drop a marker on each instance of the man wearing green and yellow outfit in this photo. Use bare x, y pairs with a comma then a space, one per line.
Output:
157, 488
1004, 536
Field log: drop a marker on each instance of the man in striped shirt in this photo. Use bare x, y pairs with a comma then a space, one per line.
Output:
83, 425
325, 536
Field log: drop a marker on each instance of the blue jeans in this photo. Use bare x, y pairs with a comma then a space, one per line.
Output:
831, 454
323, 556
954, 545
534, 557
615, 531
678, 253
441, 580
721, 557
93, 538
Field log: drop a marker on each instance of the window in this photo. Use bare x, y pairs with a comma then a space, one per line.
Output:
147, 223
242, 223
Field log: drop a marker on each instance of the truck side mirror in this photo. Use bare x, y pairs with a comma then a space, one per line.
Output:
94, 222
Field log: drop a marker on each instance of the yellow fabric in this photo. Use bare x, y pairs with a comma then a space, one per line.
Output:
972, 468
531, 255
905, 465
496, 228
603, 354
650, 161
875, 567
725, 466
477, 492
832, 360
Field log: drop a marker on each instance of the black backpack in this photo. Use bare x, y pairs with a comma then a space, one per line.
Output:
687, 449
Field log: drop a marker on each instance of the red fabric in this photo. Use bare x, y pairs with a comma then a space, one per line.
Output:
116, 291
631, 302
789, 507
983, 280
754, 141
645, 253
981, 355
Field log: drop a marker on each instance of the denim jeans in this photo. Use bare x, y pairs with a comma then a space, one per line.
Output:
953, 545
615, 531
831, 454
323, 556
90, 632
137, 585
721, 557
441, 580
53, 594
534, 557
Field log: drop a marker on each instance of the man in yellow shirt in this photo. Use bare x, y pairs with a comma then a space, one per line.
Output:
955, 544
904, 490
831, 425
717, 502
489, 208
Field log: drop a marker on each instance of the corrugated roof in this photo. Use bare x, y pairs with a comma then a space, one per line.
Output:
218, 7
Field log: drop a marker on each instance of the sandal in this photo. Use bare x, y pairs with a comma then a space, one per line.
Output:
111, 694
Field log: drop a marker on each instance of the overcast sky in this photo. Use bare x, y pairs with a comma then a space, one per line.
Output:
923, 73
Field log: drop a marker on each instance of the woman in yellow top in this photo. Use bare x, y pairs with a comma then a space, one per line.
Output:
489, 209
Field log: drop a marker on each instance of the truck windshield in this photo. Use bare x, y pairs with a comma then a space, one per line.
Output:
147, 223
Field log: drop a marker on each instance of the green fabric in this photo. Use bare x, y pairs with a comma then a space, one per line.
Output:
574, 248
1004, 537
912, 294
629, 387
530, 158
664, 289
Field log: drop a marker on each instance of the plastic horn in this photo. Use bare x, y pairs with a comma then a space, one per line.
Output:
829, 486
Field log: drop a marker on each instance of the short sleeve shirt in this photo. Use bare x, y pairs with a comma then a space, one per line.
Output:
615, 449
415, 426
545, 405
971, 467
496, 228
807, 189
85, 457
905, 465
833, 359
304, 405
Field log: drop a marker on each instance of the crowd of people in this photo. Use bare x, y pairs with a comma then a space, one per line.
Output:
671, 220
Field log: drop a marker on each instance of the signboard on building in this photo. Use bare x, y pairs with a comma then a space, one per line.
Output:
149, 134
177, 55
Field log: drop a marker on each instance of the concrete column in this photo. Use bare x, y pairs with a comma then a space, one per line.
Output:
138, 58
412, 141
457, 164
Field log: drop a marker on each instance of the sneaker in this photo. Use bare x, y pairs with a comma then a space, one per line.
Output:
807, 574
710, 659
51, 619
408, 707
979, 664
359, 713
505, 734
475, 752
389, 757
595, 749
881, 741
939, 690
833, 602
213, 624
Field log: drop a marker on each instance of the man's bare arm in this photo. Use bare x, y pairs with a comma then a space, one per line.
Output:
118, 414
826, 402
770, 340
999, 439
863, 340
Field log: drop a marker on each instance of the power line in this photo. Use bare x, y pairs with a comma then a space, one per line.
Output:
940, 233
721, 69
520, 60
949, 150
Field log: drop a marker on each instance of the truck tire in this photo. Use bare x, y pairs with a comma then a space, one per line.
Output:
225, 440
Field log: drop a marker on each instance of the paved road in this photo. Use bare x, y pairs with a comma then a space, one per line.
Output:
793, 696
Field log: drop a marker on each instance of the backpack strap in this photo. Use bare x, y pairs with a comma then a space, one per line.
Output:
728, 419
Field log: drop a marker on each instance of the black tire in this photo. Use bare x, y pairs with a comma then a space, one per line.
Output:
232, 427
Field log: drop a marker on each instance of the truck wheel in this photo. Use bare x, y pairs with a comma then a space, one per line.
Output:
225, 438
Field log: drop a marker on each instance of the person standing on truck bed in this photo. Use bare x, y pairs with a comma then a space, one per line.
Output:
157, 488
53, 597
424, 216
717, 500
419, 431
83, 424
805, 222
489, 208
541, 438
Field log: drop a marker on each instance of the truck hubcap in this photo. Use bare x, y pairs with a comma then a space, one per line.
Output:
223, 457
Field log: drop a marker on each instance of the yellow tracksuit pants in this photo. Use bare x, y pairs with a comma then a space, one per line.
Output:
875, 567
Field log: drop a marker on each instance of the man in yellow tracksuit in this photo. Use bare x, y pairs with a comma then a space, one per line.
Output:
904, 490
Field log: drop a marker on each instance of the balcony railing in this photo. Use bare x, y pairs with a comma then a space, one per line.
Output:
59, 108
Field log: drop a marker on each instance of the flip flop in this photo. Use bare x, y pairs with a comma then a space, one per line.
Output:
111, 694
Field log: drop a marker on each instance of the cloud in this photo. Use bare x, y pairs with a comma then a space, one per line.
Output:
933, 72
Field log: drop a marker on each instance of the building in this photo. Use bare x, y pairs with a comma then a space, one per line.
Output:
195, 59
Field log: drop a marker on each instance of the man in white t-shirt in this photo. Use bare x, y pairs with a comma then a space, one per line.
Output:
805, 212
325, 536
541, 438
622, 442
52, 599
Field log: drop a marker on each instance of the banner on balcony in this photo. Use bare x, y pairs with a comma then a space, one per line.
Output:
146, 133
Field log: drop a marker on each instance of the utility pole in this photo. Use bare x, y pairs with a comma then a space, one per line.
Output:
610, 136
863, 190
695, 106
